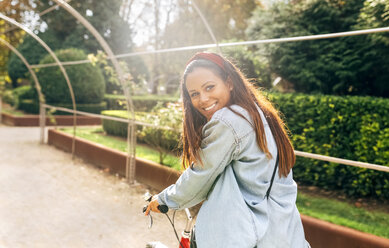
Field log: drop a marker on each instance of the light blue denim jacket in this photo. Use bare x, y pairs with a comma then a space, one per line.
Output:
232, 183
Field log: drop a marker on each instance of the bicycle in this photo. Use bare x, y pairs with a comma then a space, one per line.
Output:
184, 241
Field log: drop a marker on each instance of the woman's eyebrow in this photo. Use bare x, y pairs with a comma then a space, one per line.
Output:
205, 84
202, 86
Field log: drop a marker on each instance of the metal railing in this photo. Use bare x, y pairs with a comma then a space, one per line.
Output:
298, 153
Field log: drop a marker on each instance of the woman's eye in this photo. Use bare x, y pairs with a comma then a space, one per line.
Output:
194, 94
209, 87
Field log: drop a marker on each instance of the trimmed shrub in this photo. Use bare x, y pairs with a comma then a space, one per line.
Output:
24, 92
33, 53
29, 106
355, 128
87, 80
9, 97
163, 140
32, 107
141, 103
119, 128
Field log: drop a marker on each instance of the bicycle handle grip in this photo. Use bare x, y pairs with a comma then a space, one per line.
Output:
163, 208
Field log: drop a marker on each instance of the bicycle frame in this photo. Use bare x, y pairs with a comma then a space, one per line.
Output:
184, 242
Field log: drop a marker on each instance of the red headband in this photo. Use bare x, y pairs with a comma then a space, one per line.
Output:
213, 57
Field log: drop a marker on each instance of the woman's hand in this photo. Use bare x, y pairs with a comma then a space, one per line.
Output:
153, 206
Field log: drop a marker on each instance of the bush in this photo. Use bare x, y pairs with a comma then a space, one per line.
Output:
141, 103
164, 141
33, 53
118, 128
29, 106
9, 97
32, 107
87, 81
355, 128
16, 96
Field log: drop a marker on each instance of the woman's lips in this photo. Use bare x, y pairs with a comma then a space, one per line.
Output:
210, 107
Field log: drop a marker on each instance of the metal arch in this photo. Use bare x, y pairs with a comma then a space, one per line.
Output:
131, 138
204, 20
48, 49
42, 118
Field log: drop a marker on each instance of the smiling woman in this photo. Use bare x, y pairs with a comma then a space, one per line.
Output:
207, 91
234, 142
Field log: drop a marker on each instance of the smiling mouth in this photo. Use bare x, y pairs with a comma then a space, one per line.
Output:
210, 107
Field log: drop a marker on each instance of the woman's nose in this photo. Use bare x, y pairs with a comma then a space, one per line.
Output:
204, 97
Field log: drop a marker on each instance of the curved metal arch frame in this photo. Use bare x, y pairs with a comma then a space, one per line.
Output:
131, 138
48, 49
205, 22
42, 117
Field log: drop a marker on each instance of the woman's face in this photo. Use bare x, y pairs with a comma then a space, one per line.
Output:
207, 91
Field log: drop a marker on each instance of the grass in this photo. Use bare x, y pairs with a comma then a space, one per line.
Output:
344, 214
324, 208
143, 151
13, 112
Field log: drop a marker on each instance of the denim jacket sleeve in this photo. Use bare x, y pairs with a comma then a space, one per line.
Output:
218, 148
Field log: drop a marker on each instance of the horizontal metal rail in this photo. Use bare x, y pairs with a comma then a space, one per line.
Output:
108, 117
342, 161
242, 43
298, 153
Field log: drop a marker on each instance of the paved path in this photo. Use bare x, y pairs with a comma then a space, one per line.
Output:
49, 200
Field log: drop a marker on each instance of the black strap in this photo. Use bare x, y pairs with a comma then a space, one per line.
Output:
272, 178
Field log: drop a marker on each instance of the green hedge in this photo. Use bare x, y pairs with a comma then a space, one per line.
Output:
87, 80
163, 140
117, 128
355, 128
141, 103
32, 107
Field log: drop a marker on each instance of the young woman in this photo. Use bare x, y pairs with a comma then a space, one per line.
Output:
234, 142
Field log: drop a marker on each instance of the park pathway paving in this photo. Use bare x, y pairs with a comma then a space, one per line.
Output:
49, 200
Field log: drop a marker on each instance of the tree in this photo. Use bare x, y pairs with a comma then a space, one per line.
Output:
227, 19
343, 66
33, 53
67, 32
15, 9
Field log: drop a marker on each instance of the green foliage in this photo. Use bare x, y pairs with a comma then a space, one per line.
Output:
33, 53
29, 106
253, 66
162, 139
104, 16
9, 97
118, 128
141, 103
341, 66
87, 80
165, 141
24, 92
354, 128
16, 96
32, 107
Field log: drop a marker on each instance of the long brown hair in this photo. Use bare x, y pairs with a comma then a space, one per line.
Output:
244, 95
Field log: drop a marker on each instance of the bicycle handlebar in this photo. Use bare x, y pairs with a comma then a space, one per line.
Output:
162, 208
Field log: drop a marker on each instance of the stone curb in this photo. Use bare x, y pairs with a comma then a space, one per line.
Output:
33, 120
319, 233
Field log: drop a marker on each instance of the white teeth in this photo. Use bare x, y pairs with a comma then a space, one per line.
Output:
210, 107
